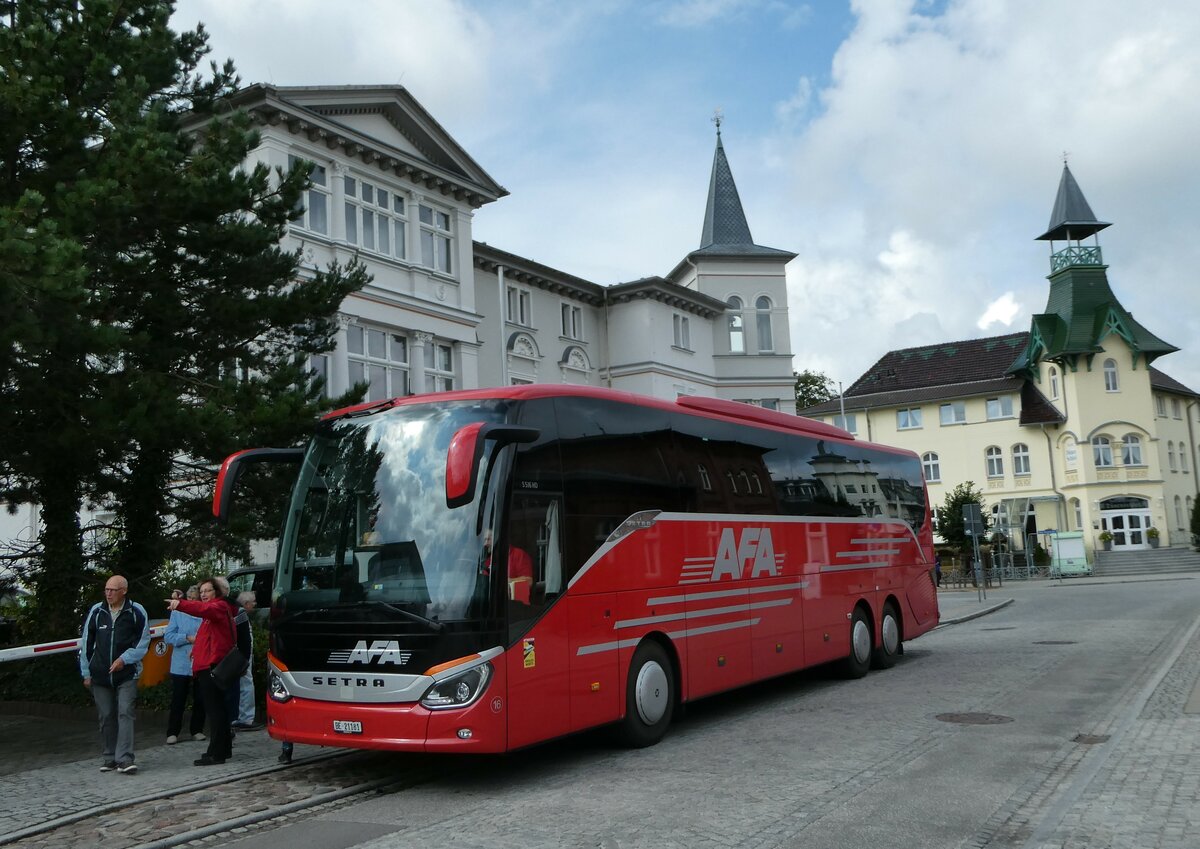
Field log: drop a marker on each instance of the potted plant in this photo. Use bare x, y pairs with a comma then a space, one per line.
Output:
1106, 539
1152, 535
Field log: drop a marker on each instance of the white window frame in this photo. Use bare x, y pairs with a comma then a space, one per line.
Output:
362, 212
736, 325
1020, 460
954, 413
762, 319
931, 466
378, 361
994, 460
315, 198
1053, 383
1131, 450
572, 321
1176, 409
519, 306
437, 238
909, 419
681, 329
1171, 456
999, 408
1078, 505
1160, 406
850, 419
1112, 381
439, 366
1102, 455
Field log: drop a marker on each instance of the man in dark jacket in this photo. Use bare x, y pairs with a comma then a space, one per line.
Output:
116, 634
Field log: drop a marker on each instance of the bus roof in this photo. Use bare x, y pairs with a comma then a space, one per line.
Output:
712, 408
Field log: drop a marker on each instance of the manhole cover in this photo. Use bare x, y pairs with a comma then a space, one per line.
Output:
1054, 642
1003, 628
1091, 739
974, 718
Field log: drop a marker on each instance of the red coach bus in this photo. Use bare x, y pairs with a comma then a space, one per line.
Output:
483, 570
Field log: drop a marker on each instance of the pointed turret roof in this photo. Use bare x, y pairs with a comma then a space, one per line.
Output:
726, 232
1072, 218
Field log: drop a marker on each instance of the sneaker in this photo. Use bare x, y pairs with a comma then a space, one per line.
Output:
172, 740
127, 769
108, 766
240, 726
199, 735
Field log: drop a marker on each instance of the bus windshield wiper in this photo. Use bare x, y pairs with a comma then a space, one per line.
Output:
433, 624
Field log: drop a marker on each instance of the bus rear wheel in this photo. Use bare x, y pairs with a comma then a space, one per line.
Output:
889, 639
858, 662
649, 697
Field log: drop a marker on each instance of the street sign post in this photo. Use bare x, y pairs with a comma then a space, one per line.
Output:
973, 526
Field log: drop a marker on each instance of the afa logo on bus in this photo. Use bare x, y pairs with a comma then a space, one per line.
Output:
749, 554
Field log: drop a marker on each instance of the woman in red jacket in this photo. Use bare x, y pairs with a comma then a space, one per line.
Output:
214, 639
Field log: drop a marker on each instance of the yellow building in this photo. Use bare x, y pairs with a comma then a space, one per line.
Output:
1065, 427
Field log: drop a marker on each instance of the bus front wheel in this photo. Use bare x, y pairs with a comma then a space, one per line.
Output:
649, 697
858, 662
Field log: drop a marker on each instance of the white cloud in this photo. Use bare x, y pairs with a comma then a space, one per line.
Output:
1000, 311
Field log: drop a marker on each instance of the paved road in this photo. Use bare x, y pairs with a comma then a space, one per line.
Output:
814, 761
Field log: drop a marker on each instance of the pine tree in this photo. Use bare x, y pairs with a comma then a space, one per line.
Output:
159, 325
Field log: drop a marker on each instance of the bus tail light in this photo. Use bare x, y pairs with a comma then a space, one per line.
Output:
459, 690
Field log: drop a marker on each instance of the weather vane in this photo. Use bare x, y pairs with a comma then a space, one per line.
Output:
716, 118
1065, 155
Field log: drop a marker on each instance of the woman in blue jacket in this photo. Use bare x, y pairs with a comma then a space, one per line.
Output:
181, 633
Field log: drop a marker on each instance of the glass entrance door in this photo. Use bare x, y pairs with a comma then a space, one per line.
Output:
1127, 519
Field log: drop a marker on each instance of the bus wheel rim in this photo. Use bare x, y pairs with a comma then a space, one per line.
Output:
891, 634
862, 641
651, 693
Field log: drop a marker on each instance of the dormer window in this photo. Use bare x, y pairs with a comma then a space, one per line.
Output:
1111, 383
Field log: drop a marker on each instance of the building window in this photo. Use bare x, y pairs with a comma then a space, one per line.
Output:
705, 480
519, 306
1111, 384
995, 461
375, 218
439, 367
1054, 383
908, 419
1176, 409
1101, 451
379, 359
848, 422
770, 404
572, 321
1178, 512
931, 466
1183, 463
1020, 457
1189, 508
763, 319
954, 412
318, 370
999, 408
1171, 456
1077, 508
737, 329
1160, 406
315, 201
683, 336
437, 242
1131, 453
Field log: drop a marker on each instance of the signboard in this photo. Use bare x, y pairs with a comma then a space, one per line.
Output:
972, 520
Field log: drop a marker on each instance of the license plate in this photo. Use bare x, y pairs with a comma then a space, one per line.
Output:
346, 726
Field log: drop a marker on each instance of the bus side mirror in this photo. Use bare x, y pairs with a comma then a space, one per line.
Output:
235, 466
466, 451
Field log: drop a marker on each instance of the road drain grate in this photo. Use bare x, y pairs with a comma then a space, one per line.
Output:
1054, 642
1091, 739
974, 718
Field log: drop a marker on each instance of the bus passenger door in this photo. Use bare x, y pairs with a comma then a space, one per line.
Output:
538, 665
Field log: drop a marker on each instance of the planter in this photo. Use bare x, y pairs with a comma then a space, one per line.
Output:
1107, 544
1153, 542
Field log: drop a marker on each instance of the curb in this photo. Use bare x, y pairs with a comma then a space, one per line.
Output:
975, 614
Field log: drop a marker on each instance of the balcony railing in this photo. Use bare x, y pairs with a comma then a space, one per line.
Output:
1074, 255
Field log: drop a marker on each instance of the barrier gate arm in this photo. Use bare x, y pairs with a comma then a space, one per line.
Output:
59, 647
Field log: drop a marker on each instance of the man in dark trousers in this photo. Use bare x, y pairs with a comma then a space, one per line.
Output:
116, 634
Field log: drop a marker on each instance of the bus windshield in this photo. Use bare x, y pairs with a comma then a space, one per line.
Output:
368, 528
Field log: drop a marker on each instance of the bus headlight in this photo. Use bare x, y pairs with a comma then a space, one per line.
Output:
276, 689
458, 690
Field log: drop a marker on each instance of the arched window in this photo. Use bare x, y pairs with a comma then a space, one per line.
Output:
1020, 455
1110, 376
763, 318
1178, 512
1077, 508
1132, 452
995, 461
1183, 464
737, 328
1101, 451
931, 466
1188, 515
1054, 383
1171, 456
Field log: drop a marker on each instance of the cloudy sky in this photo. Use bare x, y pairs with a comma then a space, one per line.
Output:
907, 150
